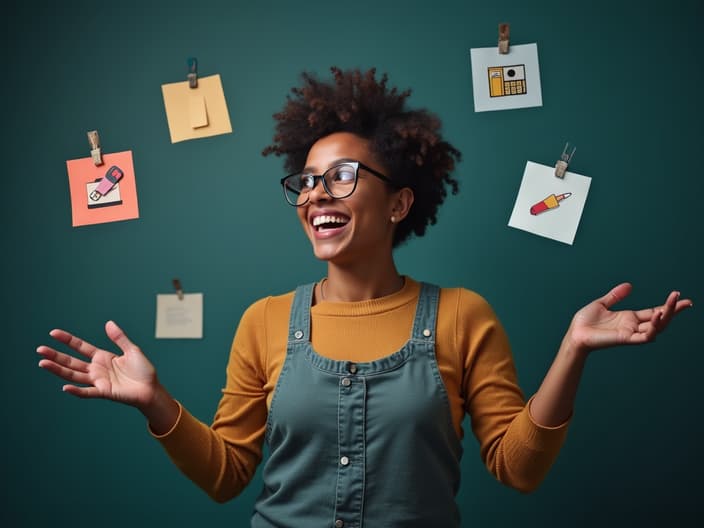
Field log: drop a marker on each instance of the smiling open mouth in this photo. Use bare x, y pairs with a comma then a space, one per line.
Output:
324, 222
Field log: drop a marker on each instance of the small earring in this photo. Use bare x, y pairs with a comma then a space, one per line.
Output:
393, 219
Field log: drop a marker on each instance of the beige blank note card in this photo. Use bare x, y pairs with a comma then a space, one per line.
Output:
179, 318
198, 112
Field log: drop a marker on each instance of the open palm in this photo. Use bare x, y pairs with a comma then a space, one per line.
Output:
597, 326
128, 378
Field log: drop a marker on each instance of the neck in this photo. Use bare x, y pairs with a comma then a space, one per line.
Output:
345, 285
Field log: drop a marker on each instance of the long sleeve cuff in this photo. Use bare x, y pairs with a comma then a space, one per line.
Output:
529, 450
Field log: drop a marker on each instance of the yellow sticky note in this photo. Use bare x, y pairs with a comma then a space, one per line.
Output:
197, 111
177, 101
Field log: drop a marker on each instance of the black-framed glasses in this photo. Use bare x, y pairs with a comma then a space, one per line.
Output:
339, 181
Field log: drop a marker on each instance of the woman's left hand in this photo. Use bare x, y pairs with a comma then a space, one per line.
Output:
596, 326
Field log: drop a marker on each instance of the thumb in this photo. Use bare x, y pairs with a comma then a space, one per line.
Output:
118, 337
617, 294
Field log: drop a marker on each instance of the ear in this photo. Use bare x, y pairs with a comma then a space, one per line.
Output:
401, 205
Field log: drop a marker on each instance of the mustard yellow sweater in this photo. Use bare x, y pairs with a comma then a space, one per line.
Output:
473, 356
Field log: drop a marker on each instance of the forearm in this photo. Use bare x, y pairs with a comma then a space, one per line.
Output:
552, 405
221, 459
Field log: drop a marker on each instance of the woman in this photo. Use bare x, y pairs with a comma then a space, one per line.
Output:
359, 382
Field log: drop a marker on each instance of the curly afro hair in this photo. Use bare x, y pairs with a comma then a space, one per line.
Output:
408, 142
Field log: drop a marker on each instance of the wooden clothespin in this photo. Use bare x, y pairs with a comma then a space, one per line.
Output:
179, 290
564, 161
192, 72
94, 141
504, 35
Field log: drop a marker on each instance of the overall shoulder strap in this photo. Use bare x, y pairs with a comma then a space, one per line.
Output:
299, 320
426, 313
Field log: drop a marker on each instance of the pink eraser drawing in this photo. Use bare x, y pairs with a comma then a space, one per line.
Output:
112, 176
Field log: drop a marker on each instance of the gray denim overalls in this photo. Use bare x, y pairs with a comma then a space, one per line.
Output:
360, 445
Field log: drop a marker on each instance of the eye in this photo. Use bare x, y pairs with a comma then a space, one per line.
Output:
343, 174
306, 182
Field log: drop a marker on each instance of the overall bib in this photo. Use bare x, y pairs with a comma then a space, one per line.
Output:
360, 445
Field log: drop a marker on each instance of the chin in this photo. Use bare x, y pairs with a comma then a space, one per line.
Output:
328, 250
324, 253
336, 253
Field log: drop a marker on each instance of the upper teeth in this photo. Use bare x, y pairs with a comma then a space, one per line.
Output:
325, 219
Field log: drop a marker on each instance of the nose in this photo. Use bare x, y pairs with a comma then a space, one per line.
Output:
318, 192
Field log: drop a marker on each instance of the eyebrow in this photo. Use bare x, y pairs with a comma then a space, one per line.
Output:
309, 169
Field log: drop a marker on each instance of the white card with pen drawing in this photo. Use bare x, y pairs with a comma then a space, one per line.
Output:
550, 206
179, 318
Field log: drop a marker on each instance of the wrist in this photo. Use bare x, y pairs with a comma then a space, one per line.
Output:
574, 348
161, 411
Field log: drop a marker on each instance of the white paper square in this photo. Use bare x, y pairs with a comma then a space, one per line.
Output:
540, 183
519, 67
111, 198
179, 318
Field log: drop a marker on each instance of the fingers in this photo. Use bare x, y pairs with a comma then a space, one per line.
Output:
88, 378
75, 371
60, 359
79, 345
673, 305
655, 320
649, 324
82, 392
64, 366
659, 315
668, 309
67, 367
682, 304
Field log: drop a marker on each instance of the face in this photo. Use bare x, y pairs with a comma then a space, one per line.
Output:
353, 229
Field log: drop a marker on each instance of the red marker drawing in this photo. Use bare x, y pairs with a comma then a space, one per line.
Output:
550, 202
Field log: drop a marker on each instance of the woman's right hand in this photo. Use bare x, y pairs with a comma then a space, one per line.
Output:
128, 378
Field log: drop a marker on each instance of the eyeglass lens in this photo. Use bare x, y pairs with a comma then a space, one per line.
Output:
338, 181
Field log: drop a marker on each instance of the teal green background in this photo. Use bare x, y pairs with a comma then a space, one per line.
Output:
622, 81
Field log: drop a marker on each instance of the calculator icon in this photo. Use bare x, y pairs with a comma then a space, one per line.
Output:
507, 80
